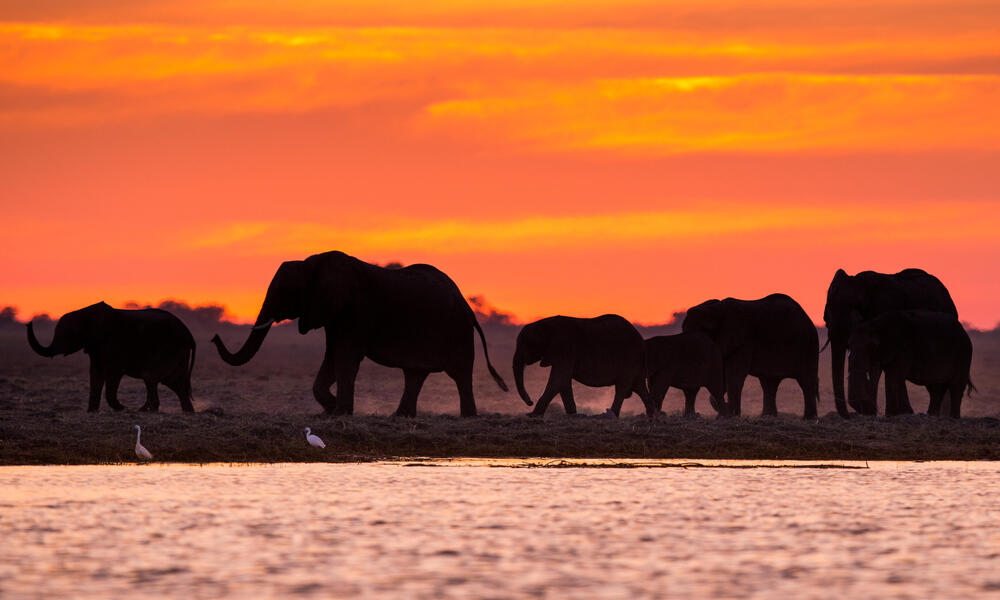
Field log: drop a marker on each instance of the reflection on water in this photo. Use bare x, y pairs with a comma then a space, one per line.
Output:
896, 529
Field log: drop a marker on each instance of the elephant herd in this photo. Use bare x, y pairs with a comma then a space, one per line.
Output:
902, 325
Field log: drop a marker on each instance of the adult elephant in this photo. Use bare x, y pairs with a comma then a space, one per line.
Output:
925, 347
771, 338
413, 318
149, 344
597, 352
862, 297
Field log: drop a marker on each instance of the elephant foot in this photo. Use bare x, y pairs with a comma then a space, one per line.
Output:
403, 415
117, 407
534, 415
609, 414
693, 415
149, 408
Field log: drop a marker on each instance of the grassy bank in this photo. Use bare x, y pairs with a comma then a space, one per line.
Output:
51, 437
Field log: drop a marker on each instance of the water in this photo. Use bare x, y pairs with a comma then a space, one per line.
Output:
468, 530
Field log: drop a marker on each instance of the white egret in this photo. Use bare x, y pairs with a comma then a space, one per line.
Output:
140, 450
314, 440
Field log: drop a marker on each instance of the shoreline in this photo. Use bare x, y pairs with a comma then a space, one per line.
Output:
45, 437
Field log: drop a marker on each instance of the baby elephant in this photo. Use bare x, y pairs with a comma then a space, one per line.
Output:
605, 350
927, 348
149, 344
688, 361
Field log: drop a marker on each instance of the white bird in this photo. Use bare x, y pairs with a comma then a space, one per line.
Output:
314, 440
140, 450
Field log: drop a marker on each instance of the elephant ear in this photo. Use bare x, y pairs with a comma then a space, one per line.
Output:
734, 326
892, 337
95, 325
840, 279
330, 287
561, 347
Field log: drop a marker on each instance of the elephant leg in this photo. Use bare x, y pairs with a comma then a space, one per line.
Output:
96, 385
734, 389
325, 378
559, 378
346, 372
903, 403
569, 403
936, 393
466, 398
639, 389
111, 391
957, 392
152, 397
182, 387
690, 395
657, 393
946, 403
413, 381
621, 392
810, 395
871, 406
897, 401
770, 387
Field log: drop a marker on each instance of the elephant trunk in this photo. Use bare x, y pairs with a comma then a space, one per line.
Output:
859, 386
518, 368
37, 346
250, 347
838, 351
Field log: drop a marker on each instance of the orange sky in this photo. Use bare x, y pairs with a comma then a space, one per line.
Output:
556, 157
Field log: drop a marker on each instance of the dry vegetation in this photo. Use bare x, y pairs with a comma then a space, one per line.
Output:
257, 413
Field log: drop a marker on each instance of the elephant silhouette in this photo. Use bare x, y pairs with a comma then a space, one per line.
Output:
412, 318
597, 352
852, 300
149, 344
925, 347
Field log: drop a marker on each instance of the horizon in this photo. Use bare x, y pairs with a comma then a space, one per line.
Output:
481, 306
555, 158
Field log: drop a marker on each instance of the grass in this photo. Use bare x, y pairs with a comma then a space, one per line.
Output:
49, 437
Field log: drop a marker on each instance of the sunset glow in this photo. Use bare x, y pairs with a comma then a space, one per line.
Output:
554, 157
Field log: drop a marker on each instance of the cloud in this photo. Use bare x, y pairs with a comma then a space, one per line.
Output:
70, 74
755, 113
946, 220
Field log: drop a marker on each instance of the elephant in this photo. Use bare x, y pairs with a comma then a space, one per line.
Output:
601, 351
925, 347
412, 318
149, 344
688, 361
771, 338
854, 299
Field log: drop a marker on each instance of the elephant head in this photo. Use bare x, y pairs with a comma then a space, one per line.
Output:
532, 343
78, 330
720, 320
842, 314
314, 291
864, 369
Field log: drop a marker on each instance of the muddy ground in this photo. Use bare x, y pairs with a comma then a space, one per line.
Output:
257, 412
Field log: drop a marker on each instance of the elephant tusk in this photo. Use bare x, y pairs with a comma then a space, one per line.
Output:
264, 325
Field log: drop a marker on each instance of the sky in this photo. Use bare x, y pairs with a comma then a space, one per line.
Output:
556, 157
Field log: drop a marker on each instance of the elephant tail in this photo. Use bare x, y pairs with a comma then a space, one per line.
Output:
486, 353
972, 388
194, 347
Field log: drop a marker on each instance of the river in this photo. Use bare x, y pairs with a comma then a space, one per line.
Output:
488, 529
